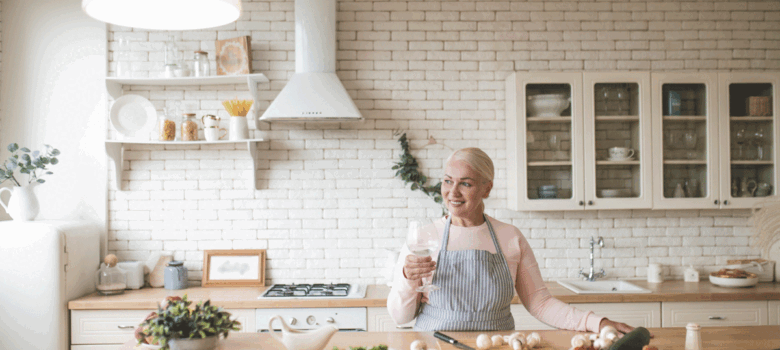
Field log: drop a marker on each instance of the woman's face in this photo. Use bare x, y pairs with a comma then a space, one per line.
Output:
463, 189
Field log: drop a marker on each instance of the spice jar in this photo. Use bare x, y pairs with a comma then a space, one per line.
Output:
201, 64
166, 128
189, 128
111, 279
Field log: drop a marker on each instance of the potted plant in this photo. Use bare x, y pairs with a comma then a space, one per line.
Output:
23, 206
178, 326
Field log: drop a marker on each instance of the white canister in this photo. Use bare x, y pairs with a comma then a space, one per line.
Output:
655, 273
239, 129
135, 273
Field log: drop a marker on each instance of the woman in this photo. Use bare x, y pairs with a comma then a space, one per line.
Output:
480, 263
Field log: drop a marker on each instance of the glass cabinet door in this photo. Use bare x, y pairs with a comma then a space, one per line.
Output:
685, 119
544, 128
617, 140
748, 128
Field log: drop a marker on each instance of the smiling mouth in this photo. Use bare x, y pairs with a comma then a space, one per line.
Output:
457, 203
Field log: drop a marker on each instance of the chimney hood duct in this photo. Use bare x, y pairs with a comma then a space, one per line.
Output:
314, 93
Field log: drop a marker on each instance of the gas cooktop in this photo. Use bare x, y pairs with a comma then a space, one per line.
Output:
316, 290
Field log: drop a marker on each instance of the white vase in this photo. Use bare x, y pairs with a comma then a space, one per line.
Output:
23, 205
239, 129
207, 343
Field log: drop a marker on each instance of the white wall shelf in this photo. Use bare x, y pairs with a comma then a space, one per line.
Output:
116, 148
114, 84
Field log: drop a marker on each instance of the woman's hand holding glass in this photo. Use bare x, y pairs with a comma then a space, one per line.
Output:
422, 240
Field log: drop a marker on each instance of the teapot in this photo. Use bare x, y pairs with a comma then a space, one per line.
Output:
210, 120
746, 189
294, 339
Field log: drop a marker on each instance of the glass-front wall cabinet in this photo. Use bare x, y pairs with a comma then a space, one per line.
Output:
617, 140
544, 129
685, 118
748, 122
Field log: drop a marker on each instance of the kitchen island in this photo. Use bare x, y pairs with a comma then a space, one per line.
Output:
744, 338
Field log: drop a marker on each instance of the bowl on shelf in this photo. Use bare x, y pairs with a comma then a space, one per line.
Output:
547, 105
547, 191
614, 192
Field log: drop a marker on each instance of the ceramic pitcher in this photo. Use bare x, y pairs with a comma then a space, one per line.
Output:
23, 205
294, 339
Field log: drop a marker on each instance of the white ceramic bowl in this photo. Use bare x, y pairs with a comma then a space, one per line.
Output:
615, 192
547, 105
733, 282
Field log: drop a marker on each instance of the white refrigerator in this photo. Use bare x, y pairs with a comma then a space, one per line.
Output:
43, 265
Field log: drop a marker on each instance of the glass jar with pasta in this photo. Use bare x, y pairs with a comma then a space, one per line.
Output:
189, 128
166, 128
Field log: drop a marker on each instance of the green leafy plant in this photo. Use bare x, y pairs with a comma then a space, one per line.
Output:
408, 170
176, 319
32, 163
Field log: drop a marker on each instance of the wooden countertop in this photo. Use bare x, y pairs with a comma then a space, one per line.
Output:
744, 338
376, 296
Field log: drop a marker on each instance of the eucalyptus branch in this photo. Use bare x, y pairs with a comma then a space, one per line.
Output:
408, 170
28, 162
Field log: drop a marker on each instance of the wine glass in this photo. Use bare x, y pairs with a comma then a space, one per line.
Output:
758, 139
740, 139
622, 100
555, 144
690, 139
422, 239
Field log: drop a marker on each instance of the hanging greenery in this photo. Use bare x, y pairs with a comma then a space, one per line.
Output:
407, 170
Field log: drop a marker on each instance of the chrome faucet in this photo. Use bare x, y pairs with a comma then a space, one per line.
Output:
593, 275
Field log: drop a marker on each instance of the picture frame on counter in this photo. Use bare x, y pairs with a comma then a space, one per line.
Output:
234, 268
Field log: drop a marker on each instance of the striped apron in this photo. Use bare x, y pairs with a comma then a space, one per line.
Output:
476, 289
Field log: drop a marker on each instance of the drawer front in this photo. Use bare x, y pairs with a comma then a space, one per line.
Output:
379, 320
727, 313
104, 326
524, 320
774, 312
634, 314
118, 326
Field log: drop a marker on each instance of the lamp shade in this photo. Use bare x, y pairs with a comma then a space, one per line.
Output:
164, 14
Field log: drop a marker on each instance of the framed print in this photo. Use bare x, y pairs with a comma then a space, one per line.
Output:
234, 268
233, 56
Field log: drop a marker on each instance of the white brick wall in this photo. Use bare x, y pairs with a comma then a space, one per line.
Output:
328, 202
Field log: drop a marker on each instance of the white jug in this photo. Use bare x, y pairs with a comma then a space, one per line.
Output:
23, 206
294, 339
239, 129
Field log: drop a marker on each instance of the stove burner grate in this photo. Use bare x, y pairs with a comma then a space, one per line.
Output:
308, 290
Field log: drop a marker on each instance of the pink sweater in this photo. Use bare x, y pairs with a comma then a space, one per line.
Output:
403, 299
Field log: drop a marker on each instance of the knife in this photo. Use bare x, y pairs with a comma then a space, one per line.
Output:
452, 341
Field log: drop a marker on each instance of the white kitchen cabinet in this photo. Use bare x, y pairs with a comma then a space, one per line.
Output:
685, 140
634, 314
774, 312
715, 313
525, 321
617, 115
107, 329
564, 163
544, 157
748, 142
379, 320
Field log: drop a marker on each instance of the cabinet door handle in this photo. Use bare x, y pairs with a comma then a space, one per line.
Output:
717, 318
125, 327
590, 202
582, 203
726, 202
716, 202
403, 327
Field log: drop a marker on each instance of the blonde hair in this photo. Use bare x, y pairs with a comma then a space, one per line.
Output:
475, 158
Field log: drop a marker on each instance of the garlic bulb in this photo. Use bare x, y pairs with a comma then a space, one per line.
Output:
593, 336
611, 336
418, 345
580, 340
517, 344
607, 329
533, 340
602, 343
484, 342
497, 340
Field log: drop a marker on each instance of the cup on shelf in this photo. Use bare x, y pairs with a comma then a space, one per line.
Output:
214, 133
620, 153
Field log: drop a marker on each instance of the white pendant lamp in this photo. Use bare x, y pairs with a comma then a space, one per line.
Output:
164, 14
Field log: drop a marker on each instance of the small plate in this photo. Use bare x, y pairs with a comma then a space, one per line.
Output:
133, 116
733, 282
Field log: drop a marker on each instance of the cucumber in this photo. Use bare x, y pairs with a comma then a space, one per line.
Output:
633, 340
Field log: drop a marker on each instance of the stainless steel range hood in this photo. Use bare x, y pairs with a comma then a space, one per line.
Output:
314, 92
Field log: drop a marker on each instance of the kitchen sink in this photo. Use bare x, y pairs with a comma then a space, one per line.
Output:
602, 287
